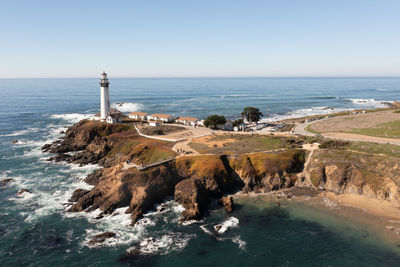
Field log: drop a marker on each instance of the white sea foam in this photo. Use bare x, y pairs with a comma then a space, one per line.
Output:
330, 203
369, 102
72, 117
162, 245
231, 222
205, 230
127, 107
302, 113
237, 240
22, 132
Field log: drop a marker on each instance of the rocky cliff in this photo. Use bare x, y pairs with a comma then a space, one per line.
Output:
352, 172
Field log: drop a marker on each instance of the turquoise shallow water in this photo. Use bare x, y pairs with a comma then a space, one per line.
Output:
36, 231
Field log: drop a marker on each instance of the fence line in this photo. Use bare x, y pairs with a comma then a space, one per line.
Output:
158, 138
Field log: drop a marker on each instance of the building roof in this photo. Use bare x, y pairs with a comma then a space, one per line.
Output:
138, 113
115, 115
115, 111
163, 116
187, 119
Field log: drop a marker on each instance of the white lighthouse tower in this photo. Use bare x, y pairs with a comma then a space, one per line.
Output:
105, 96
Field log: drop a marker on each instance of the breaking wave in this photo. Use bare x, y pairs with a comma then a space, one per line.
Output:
22, 132
72, 117
127, 107
369, 103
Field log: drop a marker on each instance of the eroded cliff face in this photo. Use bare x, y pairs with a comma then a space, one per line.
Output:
351, 172
194, 181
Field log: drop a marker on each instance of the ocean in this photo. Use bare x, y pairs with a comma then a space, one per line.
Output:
35, 230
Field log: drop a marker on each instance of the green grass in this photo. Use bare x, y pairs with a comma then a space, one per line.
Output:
162, 129
310, 130
386, 130
375, 148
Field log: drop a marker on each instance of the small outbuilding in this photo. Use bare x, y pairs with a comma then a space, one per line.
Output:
187, 120
138, 116
154, 123
161, 117
114, 118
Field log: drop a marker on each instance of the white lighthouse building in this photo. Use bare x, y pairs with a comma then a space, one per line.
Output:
105, 97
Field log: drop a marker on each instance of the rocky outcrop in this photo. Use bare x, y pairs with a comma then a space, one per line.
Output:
227, 203
89, 141
265, 172
5, 182
194, 182
352, 172
100, 238
23, 190
78, 193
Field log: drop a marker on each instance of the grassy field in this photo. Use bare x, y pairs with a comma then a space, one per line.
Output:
235, 144
310, 130
364, 147
386, 130
162, 129
375, 148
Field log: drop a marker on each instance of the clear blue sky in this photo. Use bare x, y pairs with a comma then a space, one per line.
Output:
170, 38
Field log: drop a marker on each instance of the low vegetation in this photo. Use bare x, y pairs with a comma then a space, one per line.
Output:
238, 143
310, 130
364, 147
386, 130
375, 148
162, 129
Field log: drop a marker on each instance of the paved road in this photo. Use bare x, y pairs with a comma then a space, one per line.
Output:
301, 128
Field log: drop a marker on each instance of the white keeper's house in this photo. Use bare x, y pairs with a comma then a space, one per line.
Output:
161, 117
138, 116
114, 116
187, 120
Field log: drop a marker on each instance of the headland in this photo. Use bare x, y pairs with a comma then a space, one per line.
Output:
198, 166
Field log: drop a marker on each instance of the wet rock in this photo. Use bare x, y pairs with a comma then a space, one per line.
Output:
100, 238
217, 227
46, 148
5, 182
227, 202
23, 190
94, 177
78, 193
60, 157
192, 195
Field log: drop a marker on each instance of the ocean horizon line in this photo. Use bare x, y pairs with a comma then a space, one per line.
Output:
210, 77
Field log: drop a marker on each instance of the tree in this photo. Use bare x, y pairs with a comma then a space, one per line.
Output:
214, 120
237, 122
251, 114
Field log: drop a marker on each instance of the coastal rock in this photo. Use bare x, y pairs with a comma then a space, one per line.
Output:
192, 195
346, 172
60, 157
100, 238
94, 177
23, 190
265, 172
78, 193
227, 202
5, 182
